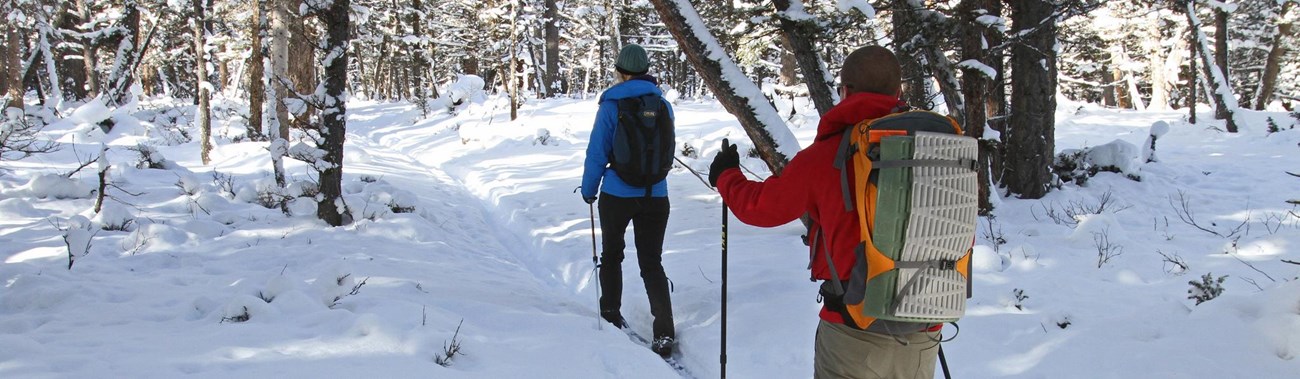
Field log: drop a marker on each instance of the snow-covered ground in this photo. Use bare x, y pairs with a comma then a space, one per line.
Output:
496, 258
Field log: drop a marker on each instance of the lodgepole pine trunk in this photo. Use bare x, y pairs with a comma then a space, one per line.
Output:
1272, 66
204, 87
1030, 135
929, 31
800, 36
974, 85
1224, 100
13, 77
551, 77
256, 75
334, 111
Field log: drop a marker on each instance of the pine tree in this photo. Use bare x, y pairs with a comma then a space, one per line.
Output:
1030, 135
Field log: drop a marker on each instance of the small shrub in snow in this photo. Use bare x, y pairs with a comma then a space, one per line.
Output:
449, 349
188, 185
1272, 126
689, 151
1105, 248
1078, 165
398, 208
77, 236
237, 317
1173, 264
1020, 296
224, 182
466, 89
302, 189
149, 157
20, 136
1207, 289
271, 198
543, 137
114, 217
1063, 321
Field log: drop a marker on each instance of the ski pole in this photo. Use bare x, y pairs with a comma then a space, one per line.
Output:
723, 357
595, 265
943, 361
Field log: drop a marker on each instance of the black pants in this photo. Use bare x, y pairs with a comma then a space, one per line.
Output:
649, 217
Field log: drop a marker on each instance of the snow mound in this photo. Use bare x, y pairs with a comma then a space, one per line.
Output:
53, 186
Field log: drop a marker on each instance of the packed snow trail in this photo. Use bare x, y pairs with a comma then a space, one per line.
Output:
417, 147
527, 171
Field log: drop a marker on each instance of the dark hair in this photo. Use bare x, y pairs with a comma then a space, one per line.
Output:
872, 69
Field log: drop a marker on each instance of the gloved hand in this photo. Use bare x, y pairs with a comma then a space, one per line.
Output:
726, 159
589, 200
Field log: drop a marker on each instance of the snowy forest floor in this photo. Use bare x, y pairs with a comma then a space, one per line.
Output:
496, 258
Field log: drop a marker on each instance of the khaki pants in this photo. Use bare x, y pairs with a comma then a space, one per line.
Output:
844, 352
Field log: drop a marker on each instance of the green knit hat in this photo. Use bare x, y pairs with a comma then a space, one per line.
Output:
632, 60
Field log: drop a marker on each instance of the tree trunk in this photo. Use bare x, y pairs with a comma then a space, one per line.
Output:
974, 86
90, 53
929, 32
997, 99
801, 36
1221, 55
916, 86
128, 55
1224, 100
1121, 76
1272, 66
280, 14
13, 76
419, 58
1193, 82
72, 69
551, 78
789, 74
1159, 83
334, 113
512, 86
203, 87
48, 46
256, 75
772, 139
1031, 134
302, 66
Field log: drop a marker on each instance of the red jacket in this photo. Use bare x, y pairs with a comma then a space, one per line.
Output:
810, 183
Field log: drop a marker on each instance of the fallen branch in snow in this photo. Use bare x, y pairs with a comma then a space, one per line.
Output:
1290, 261
697, 173
1183, 209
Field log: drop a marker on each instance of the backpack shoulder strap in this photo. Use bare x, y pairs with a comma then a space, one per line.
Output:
842, 156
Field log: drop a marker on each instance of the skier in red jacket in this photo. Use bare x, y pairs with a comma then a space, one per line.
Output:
810, 183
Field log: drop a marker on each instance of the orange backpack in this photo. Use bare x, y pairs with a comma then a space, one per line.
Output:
915, 193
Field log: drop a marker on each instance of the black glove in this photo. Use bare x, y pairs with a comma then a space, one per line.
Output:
589, 200
726, 159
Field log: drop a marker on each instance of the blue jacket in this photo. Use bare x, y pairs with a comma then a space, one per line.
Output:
596, 168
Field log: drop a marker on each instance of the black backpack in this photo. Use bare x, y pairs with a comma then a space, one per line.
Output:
644, 141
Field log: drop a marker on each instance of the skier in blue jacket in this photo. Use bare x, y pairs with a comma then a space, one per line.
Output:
621, 203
